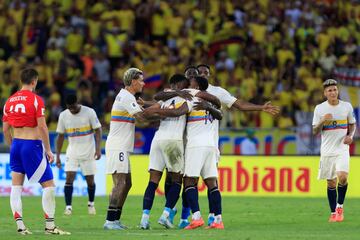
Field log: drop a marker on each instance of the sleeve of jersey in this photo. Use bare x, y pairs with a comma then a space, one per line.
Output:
95, 123
131, 105
40, 109
351, 115
226, 98
316, 118
60, 125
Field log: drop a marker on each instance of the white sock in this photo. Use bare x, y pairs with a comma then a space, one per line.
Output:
91, 204
339, 205
218, 218
16, 205
145, 217
69, 207
48, 204
196, 215
166, 213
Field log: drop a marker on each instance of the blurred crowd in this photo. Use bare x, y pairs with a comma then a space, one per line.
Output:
259, 50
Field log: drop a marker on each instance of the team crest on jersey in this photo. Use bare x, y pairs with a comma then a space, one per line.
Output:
209, 118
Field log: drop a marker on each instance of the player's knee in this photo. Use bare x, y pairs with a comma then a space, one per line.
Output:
70, 177
343, 180
189, 182
331, 183
175, 178
211, 183
155, 176
90, 180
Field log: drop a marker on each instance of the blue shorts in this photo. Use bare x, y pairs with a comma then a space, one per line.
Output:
28, 157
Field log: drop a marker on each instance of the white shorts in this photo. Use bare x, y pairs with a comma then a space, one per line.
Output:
201, 161
329, 165
87, 166
117, 161
167, 153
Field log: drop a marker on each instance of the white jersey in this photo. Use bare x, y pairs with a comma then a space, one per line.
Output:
335, 130
79, 129
223, 95
172, 128
225, 98
201, 129
122, 125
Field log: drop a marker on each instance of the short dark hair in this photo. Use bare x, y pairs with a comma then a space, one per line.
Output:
202, 82
203, 65
177, 78
190, 67
71, 99
329, 82
28, 75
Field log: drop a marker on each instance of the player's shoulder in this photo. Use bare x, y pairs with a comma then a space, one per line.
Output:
65, 113
216, 89
321, 105
124, 95
87, 109
345, 103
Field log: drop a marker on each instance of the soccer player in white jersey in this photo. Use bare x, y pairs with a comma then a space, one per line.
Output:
167, 151
120, 143
200, 156
335, 120
79, 123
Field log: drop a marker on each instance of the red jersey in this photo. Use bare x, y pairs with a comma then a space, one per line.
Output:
23, 108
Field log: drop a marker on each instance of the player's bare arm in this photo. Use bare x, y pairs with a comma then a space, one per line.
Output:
209, 97
164, 112
7, 133
317, 128
145, 104
204, 105
351, 131
44, 134
98, 135
163, 96
247, 106
59, 144
149, 114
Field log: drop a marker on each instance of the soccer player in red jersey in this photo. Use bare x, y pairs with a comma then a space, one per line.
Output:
30, 153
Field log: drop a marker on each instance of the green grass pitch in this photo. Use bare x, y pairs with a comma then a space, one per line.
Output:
244, 218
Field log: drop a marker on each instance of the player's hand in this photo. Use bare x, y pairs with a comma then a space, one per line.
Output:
326, 117
140, 101
202, 105
97, 154
348, 140
185, 95
50, 156
271, 109
58, 162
